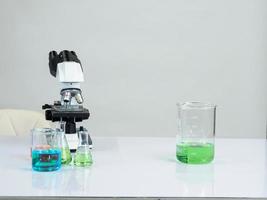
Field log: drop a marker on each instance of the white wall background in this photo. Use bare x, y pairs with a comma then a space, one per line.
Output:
141, 57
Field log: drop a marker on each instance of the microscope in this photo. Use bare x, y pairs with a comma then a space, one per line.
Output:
68, 69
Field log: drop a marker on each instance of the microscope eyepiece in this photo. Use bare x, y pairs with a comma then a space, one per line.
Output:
63, 56
68, 56
52, 55
53, 60
73, 52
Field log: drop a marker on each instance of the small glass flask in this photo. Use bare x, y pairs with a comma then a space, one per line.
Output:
65, 150
83, 156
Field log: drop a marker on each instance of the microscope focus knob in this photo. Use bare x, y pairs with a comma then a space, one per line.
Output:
48, 115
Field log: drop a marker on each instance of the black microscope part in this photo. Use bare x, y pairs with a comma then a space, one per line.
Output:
53, 114
56, 113
63, 56
46, 106
72, 89
53, 61
68, 56
70, 127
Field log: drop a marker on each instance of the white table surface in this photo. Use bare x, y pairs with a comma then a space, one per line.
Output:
139, 167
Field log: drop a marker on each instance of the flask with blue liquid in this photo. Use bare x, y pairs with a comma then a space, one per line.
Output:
46, 149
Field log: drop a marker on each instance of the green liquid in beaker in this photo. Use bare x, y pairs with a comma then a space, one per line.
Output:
195, 153
65, 156
83, 158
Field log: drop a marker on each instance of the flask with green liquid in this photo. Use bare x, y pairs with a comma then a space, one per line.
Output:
83, 156
196, 132
65, 150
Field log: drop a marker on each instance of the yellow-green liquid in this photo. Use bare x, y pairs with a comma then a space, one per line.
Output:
195, 153
65, 156
83, 159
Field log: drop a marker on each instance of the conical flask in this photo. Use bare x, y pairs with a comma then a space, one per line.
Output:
65, 150
83, 156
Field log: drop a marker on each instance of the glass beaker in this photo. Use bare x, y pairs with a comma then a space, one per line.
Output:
83, 156
46, 149
196, 132
65, 150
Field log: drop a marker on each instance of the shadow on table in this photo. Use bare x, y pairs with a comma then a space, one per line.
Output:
66, 179
196, 179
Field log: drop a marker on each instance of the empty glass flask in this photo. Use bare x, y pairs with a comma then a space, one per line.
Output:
196, 132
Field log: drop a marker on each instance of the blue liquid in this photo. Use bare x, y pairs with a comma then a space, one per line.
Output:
46, 160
